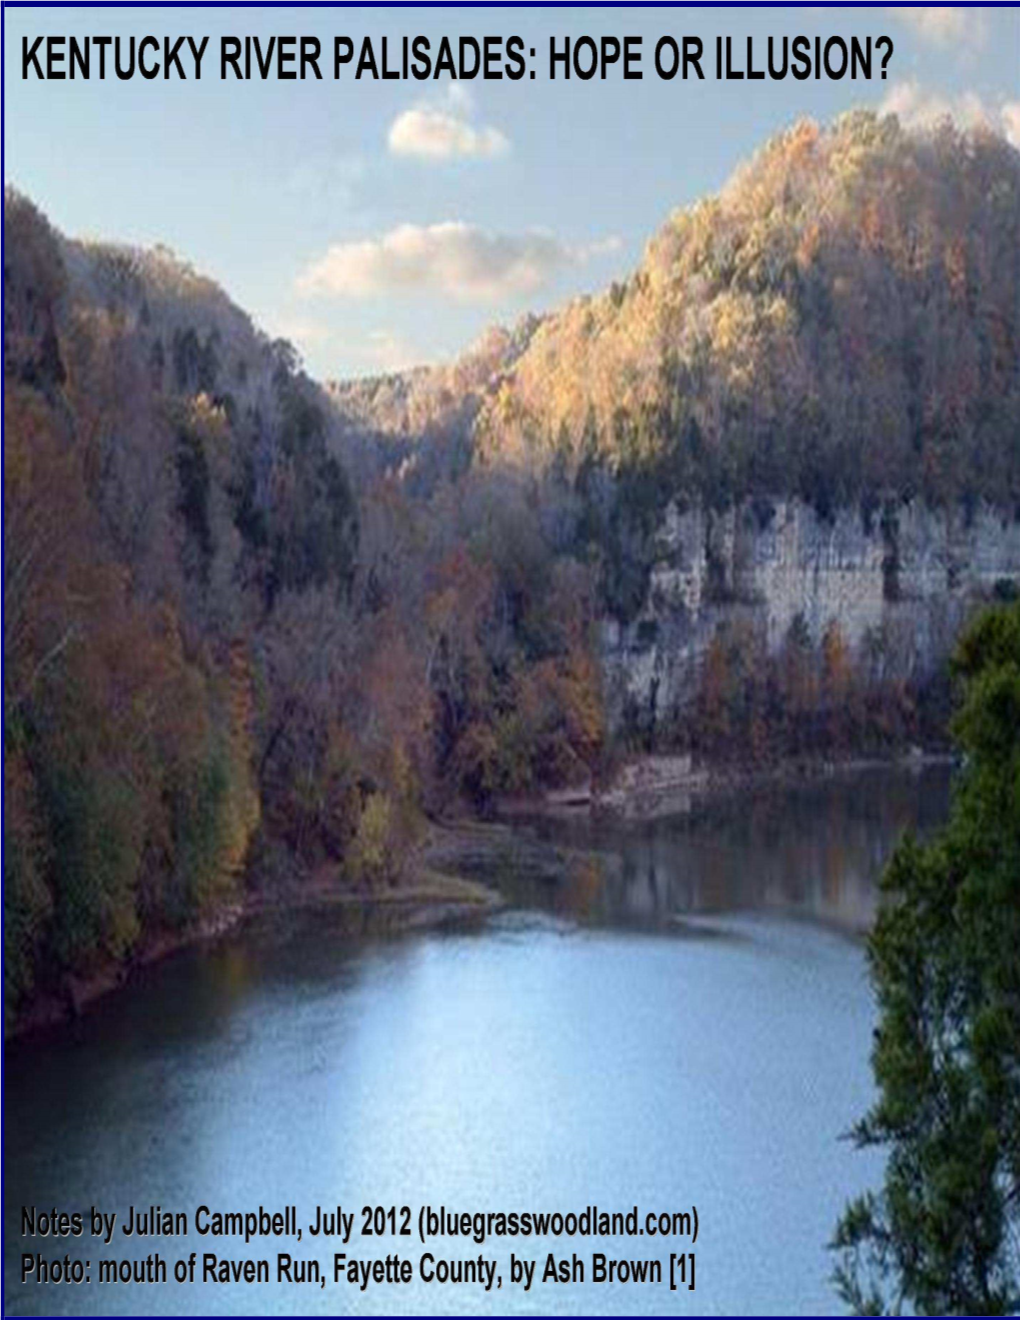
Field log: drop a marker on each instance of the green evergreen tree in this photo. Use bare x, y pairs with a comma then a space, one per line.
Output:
943, 1235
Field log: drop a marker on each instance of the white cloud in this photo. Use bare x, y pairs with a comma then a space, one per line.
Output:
1011, 122
944, 25
918, 107
453, 258
443, 131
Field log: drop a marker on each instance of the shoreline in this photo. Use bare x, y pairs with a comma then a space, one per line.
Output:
646, 787
430, 901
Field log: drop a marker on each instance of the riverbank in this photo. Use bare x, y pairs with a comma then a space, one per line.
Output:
647, 786
428, 900
463, 863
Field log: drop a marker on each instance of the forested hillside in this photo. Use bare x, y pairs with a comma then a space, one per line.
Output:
168, 495
842, 321
224, 662
253, 627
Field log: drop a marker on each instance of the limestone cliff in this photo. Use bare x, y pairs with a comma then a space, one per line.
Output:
898, 584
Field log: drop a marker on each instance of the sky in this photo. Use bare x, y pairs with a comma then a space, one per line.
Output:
379, 224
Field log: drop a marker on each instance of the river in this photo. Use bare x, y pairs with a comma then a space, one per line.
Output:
680, 1019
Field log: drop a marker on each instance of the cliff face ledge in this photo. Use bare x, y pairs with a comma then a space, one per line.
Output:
899, 582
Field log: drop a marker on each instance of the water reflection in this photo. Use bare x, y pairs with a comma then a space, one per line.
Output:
814, 850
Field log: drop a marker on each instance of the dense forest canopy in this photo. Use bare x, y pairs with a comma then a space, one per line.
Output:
253, 626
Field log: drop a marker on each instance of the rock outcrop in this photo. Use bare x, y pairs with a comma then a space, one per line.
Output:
898, 582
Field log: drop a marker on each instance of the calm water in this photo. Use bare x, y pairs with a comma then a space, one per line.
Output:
679, 1017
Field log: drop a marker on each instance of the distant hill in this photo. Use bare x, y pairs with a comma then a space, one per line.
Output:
425, 418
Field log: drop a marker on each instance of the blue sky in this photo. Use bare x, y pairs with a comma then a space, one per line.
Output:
378, 224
